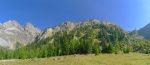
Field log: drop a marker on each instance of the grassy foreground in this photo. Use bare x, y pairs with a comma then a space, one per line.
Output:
102, 59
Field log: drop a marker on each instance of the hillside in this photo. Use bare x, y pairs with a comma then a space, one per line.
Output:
87, 37
70, 26
13, 35
145, 31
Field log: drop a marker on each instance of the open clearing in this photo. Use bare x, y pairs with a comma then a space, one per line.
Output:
91, 59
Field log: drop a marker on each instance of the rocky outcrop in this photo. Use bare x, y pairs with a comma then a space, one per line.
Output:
11, 33
31, 29
70, 26
47, 33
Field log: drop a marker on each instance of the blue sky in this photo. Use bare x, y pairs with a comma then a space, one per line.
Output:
129, 14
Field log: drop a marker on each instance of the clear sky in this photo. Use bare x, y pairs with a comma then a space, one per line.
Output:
129, 14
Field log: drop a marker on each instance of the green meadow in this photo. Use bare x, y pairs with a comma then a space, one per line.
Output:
90, 59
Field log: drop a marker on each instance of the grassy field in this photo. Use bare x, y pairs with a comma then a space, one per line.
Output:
102, 59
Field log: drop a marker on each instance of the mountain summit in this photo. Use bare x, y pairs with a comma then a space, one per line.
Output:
11, 33
31, 29
145, 31
69, 26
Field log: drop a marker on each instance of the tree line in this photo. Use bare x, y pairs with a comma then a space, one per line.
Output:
91, 39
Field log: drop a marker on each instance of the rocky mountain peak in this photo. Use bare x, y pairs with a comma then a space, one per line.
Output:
69, 25
48, 32
28, 25
12, 32
31, 29
11, 23
93, 20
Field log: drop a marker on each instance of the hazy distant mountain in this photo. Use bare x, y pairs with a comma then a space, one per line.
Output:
11, 33
145, 31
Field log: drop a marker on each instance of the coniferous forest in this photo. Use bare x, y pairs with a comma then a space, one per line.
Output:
91, 39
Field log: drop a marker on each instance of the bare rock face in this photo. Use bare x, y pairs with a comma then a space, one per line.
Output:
70, 26
11, 33
47, 33
31, 29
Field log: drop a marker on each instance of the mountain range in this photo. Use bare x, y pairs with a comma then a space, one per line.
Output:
12, 33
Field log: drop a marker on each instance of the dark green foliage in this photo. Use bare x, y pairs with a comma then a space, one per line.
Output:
110, 48
126, 50
91, 39
87, 40
140, 45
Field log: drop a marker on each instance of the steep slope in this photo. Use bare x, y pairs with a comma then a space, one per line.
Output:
31, 29
11, 33
88, 37
69, 26
91, 36
145, 31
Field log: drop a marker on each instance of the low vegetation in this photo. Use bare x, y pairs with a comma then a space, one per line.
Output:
101, 59
91, 39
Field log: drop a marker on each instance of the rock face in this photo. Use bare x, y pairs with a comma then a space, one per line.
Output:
11, 33
145, 31
47, 33
70, 26
31, 29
